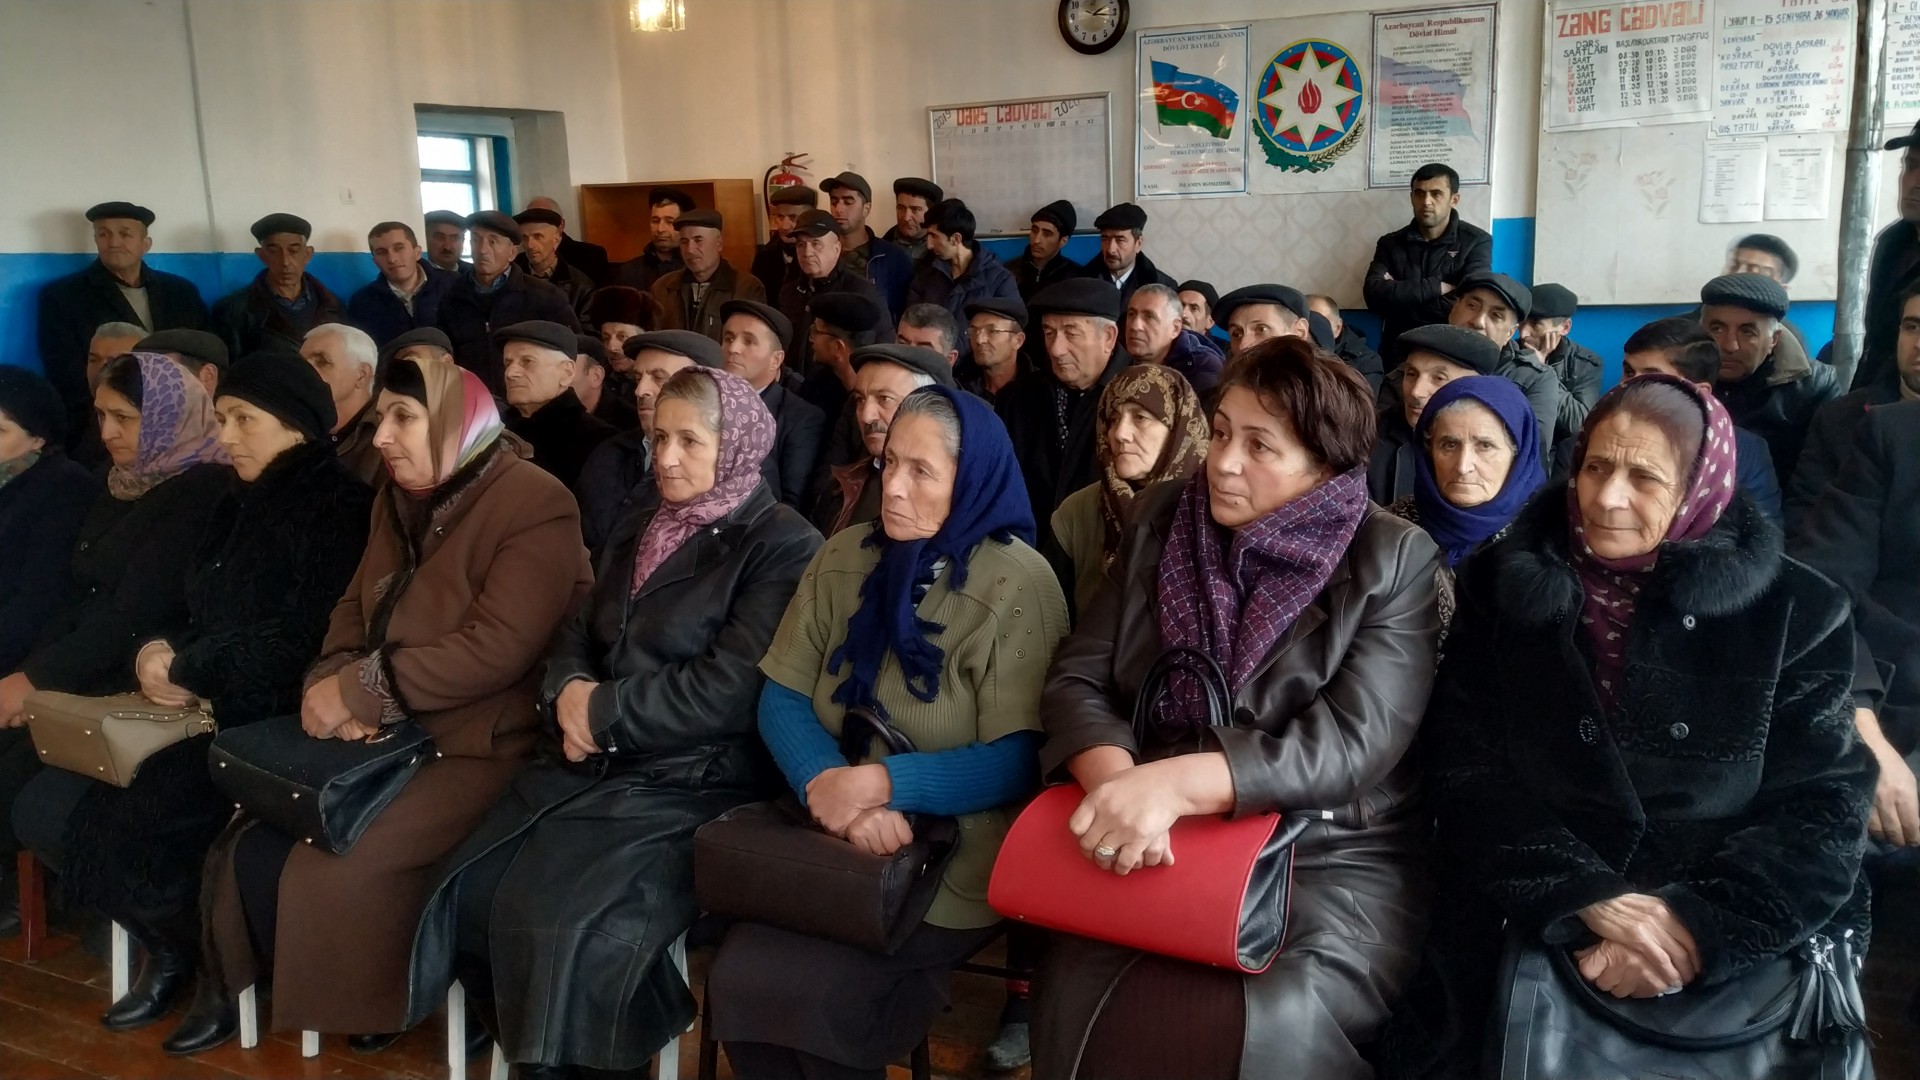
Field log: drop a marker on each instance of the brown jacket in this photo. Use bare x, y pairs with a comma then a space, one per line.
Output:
1325, 724
674, 293
500, 567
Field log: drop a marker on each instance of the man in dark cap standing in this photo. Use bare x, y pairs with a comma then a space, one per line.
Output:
1432, 356
537, 358
818, 269
496, 293
446, 239
1349, 344
1768, 383
1042, 264
662, 256
117, 286
284, 301
1415, 270
540, 233
589, 259
850, 199
1122, 263
883, 375
773, 260
912, 198
405, 294
691, 297
619, 474
753, 341
1546, 332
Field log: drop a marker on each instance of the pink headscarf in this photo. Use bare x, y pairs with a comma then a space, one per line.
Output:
177, 429
746, 437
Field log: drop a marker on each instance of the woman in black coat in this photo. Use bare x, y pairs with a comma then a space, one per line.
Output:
558, 912
278, 548
43, 497
1641, 742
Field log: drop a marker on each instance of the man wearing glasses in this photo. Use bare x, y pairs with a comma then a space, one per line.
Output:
997, 328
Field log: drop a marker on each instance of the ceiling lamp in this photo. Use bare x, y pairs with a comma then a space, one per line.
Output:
652, 15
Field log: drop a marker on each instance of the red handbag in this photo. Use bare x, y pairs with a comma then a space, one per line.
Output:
1224, 900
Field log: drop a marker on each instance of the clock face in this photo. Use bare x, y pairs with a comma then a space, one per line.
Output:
1093, 26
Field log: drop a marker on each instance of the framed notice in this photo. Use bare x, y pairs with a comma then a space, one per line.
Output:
1782, 67
1611, 63
1010, 158
1433, 94
1193, 117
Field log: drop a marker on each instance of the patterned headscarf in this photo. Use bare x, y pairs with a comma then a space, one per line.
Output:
1166, 396
177, 429
1460, 529
462, 419
746, 438
1611, 587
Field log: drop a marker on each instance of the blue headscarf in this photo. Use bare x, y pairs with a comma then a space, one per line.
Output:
1458, 530
989, 501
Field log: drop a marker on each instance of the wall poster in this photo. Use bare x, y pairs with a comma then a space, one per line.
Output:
1192, 137
1433, 101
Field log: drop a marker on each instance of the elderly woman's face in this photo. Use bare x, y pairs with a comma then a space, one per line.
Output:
1256, 464
916, 479
1629, 486
686, 450
1471, 453
403, 441
1135, 440
15, 443
119, 425
253, 437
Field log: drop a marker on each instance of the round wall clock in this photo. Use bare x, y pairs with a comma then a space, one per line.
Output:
1093, 26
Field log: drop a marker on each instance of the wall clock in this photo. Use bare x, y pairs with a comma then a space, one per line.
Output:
1093, 26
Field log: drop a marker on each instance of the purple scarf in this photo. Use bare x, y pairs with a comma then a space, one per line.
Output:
746, 436
1233, 593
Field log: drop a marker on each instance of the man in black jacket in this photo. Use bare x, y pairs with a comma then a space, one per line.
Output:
496, 294
540, 235
1546, 331
1349, 344
1767, 381
773, 260
662, 255
1042, 264
1122, 264
537, 358
283, 302
405, 294
1416, 269
819, 269
1895, 266
1830, 438
589, 259
753, 340
117, 286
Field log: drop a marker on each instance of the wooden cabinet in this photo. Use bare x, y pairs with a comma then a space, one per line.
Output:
615, 215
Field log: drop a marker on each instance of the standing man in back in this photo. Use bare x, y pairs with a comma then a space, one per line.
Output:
691, 297
284, 301
662, 256
496, 294
1122, 264
1415, 270
589, 259
1042, 264
912, 198
540, 234
850, 199
773, 260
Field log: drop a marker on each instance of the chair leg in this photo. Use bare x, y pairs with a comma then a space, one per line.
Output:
249, 1006
669, 1056
709, 1046
122, 965
922, 1062
498, 1070
33, 906
309, 1044
456, 1031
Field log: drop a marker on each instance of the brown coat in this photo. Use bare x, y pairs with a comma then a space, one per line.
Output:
1325, 724
501, 566
674, 293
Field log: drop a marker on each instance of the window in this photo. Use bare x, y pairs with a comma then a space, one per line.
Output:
462, 172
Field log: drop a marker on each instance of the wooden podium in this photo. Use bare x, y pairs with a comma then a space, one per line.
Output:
615, 216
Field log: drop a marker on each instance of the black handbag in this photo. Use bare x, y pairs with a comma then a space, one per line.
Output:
324, 792
771, 863
1798, 1017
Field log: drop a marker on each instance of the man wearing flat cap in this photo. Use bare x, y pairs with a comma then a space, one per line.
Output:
1415, 270
1122, 264
618, 476
833, 326
284, 301
496, 293
662, 255
540, 232
589, 259
538, 361
691, 297
202, 353
1256, 313
753, 346
819, 269
773, 260
912, 198
1547, 331
1196, 308
593, 384
117, 286
1431, 357
1768, 383
446, 239
997, 327
883, 375
850, 200
347, 360
406, 292
1349, 343
1042, 263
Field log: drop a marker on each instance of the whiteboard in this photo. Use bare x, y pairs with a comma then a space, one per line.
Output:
1010, 158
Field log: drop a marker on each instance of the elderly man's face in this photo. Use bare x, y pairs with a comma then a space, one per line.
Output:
1485, 312
1118, 249
395, 255
910, 216
1755, 261
543, 246
1250, 324
1544, 335
103, 348
1078, 347
1194, 314
700, 250
492, 253
348, 380
816, 256
849, 209
660, 219
1421, 377
996, 340
121, 243
534, 374
614, 336
651, 369
1152, 324
285, 256
1746, 338
444, 244
878, 388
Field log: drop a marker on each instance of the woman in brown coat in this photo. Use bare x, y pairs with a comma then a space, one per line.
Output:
1320, 608
474, 560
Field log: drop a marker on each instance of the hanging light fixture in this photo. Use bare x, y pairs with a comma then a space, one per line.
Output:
653, 15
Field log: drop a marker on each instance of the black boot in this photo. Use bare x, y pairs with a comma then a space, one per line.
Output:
163, 977
372, 1044
212, 1020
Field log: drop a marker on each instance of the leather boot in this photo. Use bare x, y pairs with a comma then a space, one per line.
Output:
212, 1019
164, 975
372, 1044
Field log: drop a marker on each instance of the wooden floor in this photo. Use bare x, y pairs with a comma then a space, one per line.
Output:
49, 1028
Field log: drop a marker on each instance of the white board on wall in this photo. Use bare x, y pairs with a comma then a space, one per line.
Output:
1010, 158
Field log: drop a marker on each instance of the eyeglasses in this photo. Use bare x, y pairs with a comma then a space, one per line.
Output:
978, 332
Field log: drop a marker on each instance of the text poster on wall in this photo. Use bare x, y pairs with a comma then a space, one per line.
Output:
1902, 64
1011, 157
1193, 128
1433, 73
1781, 66
1311, 102
1610, 64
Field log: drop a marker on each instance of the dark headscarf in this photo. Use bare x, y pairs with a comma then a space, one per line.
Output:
286, 387
1166, 396
989, 502
1458, 530
31, 401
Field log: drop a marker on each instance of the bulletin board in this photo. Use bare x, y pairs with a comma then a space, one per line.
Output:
1012, 157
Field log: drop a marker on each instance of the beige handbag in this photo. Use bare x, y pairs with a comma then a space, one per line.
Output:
107, 738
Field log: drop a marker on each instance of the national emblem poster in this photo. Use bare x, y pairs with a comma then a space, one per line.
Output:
1310, 102
1433, 101
1192, 137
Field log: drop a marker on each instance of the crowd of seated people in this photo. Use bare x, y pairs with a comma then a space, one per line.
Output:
635, 547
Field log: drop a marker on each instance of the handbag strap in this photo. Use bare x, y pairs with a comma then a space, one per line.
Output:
1759, 1027
1197, 665
862, 724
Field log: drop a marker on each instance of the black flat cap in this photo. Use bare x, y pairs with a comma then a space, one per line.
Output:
1320, 331
1058, 213
274, 224
698, 348
1078, 296
196, 345
547, 335
1910, 139
917, 186
30, 401
540, 216
814, 223
848, 180
912, 357
130, 211
426, 335
1007, 307
619, 304
794, 195
849, 311
781, 326
706, 219
590, 347
1553, 301
1517, 296
1204, 288
445, 217
281, 383
1286, 296
1468, 348
1754, 292
495, 222
1124, 215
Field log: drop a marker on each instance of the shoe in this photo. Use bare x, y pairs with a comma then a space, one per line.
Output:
163, 978
372, 1044
479, 1039
210, 1021
1010, 1049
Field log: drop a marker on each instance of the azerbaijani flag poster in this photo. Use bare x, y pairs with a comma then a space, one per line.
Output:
1192, 131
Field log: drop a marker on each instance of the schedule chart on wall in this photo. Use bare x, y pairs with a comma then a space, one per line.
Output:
1009, 158
1621, 63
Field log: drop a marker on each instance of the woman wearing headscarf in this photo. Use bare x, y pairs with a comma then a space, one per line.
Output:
1319, 608
278, 549
1641, 745
942, 618
650, 692
1478, 464
1149, 429
474, 559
